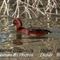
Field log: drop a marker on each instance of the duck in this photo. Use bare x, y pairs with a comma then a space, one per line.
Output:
17, 22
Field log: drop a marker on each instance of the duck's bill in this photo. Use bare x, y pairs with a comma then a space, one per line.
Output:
11, 25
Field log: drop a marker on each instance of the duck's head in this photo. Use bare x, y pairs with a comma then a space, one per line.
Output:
17, 22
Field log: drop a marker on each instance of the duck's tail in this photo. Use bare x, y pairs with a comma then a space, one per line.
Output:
49, 31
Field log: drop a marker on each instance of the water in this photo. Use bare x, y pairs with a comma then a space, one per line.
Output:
3, 36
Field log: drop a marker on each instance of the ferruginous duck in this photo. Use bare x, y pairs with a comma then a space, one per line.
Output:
31, 32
